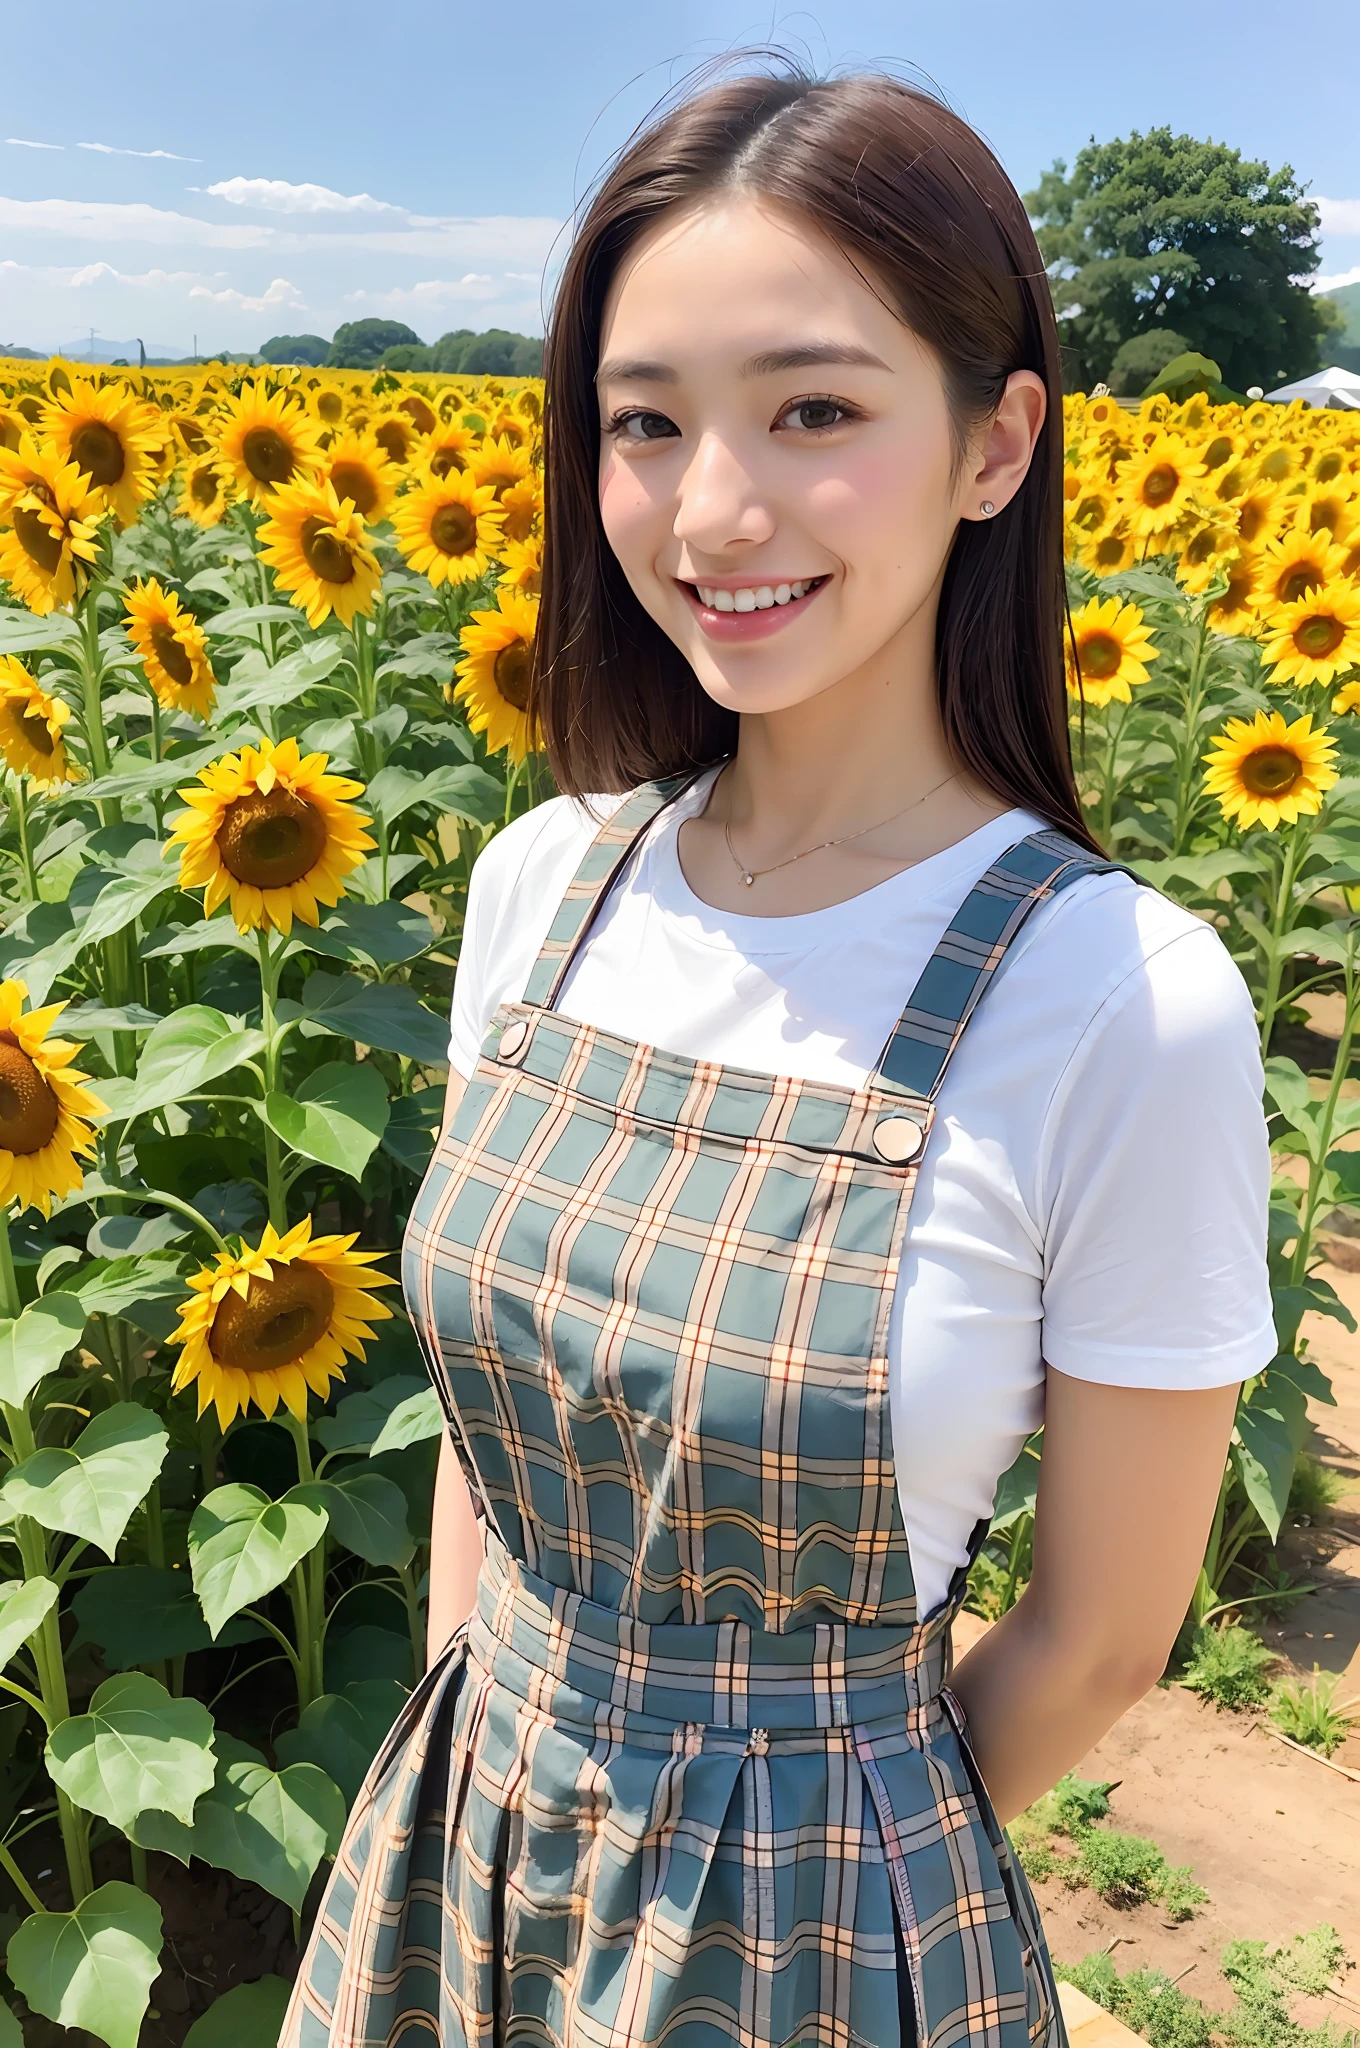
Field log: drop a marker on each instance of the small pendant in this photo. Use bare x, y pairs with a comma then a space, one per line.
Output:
748, 879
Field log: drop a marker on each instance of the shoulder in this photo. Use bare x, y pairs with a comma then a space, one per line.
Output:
536, 848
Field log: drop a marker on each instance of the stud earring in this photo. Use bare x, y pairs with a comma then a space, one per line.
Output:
987, 508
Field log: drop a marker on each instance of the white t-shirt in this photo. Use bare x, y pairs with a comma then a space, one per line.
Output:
1095, 1186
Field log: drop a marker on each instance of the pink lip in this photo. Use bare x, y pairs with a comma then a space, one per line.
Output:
739, 626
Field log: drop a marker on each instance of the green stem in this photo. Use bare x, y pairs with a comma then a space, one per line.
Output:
1194, 694
308, 1591
21, 1692
19, 1881
10, 1302
275, 1184
25, 842
1283, 908
141, 1875
415, 1620
1113, 727
1317, 1165
187, 1209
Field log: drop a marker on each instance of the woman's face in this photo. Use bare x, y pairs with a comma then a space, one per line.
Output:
777, 474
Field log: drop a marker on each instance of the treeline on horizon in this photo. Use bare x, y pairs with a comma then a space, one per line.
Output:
390, 345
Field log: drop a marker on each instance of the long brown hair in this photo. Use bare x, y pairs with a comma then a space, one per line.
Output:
918, 202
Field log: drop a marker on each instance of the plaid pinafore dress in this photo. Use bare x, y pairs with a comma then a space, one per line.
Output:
691, 1773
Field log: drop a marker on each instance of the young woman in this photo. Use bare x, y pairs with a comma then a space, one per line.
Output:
825, 1113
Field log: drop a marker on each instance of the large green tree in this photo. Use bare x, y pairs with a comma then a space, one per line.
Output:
1162, 230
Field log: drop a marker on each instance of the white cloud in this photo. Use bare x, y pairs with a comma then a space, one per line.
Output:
280, 293
1334, 283
17, 142
94, 220
431, 292
275, 195
87, 274
107, 149
1339, 216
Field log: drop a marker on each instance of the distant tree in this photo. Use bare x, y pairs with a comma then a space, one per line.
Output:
1138, 361
310, 349
408, 355
446, 354
359, 344
1161, 227
497, 353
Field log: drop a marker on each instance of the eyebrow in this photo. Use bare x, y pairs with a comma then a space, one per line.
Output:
769, 363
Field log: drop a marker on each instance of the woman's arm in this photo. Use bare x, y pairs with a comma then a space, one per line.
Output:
456, 1533
1128, 1484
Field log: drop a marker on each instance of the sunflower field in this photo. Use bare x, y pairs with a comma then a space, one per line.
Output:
265, 644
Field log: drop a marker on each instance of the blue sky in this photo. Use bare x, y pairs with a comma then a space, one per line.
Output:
236, 172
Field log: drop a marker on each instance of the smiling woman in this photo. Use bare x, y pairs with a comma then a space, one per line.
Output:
813, 1094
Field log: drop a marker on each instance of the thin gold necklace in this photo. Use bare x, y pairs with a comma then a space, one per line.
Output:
752, 875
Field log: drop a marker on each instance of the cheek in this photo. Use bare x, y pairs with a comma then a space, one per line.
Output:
881, 502
628, 513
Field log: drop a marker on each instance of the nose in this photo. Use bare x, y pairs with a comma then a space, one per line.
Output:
720, 505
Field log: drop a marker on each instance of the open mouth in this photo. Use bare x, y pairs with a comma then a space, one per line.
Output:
755, 597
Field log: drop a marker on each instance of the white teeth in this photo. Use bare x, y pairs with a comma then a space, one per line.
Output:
764, 598
757, 598
797, 589
783, 592
745, 601
724, 601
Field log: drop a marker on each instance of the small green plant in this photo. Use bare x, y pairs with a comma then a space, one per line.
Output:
1264, 1978
1307, 1710
1146, 2001
1314, 1489
1128, 1870
1069, 1808
1228, 1665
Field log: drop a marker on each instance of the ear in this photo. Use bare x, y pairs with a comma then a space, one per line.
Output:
1002, 456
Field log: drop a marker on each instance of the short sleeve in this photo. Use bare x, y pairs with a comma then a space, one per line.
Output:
1154, 1181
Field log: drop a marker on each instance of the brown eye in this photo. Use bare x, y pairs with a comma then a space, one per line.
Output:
815, 413
642, 426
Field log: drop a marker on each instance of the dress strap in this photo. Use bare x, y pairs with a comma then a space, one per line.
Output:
604, 859
959, 971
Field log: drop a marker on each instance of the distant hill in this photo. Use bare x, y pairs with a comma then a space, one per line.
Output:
1347, 296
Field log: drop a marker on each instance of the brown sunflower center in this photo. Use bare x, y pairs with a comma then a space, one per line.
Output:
1101, 655
1326, 514
1201, 546
1328, 466
42, 546
392, 436
278, 1320
1319, 636
1160, 484
266, 454
10, 435
511, 674
28, 1104
203, 486
30, 407
1109, 551
1236, 594
446, 458
1276, 465
1218, 451
1251, 519
1297, 582
100, 453
1271, 771
330, 405
454, 530
422, 417
271, 839
33, 726
173, 658
193, 436
327, 555
355, 481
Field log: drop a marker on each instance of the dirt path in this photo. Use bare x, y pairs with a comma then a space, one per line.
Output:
1274, 1837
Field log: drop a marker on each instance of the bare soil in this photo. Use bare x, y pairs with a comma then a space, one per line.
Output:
1272, 1835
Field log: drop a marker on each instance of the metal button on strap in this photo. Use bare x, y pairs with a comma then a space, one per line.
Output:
898, 1139
514, 1038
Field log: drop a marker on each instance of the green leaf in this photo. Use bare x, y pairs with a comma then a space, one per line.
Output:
92, 1968
367, 1515
22, 633
1016, 1489
261, 686
24, 1606
242, 1545
11, 2035
270, 1828
211, 935
1203, 871
337, 1116
136, 1750
35, 1342
341, 1733
413, 1127
1288, 1088
141, 1614
183, 1054
243, 621
386, 933
410, 1422
247, 2016
128, 1236
1292, 1304
385, 1015
1303, 1373
121, 901
1270, 1428
91, 1489
110, 1287
359, 1418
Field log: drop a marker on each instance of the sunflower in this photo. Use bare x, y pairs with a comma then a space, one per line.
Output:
1315, 638
522, 506
447, 448
1202, 552
495, 671
318, 552
495, 462
1257, 514
529, 404
1234, 610
173, 649
360, 469
192, 432
1090, 506
1264, 772
1112, 550
272, 831
1294, 563
49, 538
1277, 463
510, 426
448, 527
265, 439
203, 493
329, 405
419, 412
266, 1325
1218, 450
31, 721
114, 438
522, 566
397, 436
1109, 651
1155, 484
1332, 509
45, 1113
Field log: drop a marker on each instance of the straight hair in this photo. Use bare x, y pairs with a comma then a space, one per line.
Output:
920, 206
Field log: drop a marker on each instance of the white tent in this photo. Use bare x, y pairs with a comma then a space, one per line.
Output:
1329, 387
